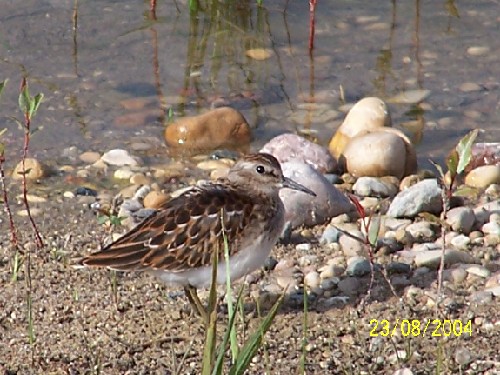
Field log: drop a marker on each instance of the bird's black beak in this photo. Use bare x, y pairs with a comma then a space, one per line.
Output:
291, 184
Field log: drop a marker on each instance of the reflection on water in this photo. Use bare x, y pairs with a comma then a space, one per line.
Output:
90, 58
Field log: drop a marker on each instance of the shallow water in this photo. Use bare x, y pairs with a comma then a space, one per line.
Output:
181, 64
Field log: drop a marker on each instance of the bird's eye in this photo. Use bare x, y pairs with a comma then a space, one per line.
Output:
260, 169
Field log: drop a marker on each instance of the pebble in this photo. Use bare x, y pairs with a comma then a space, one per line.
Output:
374, 187
312, 279
491, 228
423, 196
123, 174
330, 235
349, 285
119, 157
68, 194
421, 231
469, 87
302, 209
351, 246
478, 50
358, 266
155, 199
32, 198
33, 211
89, 157
432, 258
410, 96
398, 267
460, 242
476, 269
290, 147
330, 270
34, 168
455, 275
330, 283
270, 264
85, 191
461, 219
140, 179
403, 371
483, 176
303, 247
223, 127
481, 297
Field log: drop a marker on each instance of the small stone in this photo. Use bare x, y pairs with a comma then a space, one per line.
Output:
303, 247
270, 264
423, 196
478, 50
492, 227
331, 270
461, 219
403, 371
478, 270
68, 194
34, 170
330, 235
422, 231
432, 258
330, 283
483, 176
410, 97
481, 297
259, 53
358, 266
287, 283
140, 179
398, 267
312, 279
33, 211
463, 356
461, 242
33, 198
349, 285
455, 275
123, 174
351, 246
469, 87
374, 187
86, 191
155, 199
119, 157
90, 157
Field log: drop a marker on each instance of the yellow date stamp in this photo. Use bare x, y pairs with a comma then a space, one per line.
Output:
418, 328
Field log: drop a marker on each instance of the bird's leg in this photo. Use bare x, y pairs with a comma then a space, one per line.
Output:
195, 302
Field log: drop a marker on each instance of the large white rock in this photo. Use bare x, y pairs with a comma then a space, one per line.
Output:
303, 209
423, 196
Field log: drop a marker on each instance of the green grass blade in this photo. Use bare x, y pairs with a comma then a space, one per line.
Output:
225, 340
229, 297
255, 341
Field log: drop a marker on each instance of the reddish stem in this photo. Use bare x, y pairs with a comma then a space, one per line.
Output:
312, 22
13, 232
27, 126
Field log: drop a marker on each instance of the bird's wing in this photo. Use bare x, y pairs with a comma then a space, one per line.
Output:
182, 235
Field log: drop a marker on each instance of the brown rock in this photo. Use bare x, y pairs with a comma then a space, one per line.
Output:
34, 169
155, 199
221, 128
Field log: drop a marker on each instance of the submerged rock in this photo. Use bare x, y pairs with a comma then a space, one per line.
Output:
220, 128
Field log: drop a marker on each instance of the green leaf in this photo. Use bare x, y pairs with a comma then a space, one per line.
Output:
3, 131
464, 150
439, 169
102, 219
374, 230
255, 341
25, 100
2, 149
2, 85
452, 163
37, 100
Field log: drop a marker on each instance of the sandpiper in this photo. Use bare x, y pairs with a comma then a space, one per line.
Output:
177, 243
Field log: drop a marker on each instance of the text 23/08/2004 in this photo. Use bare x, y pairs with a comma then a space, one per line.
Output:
414, 328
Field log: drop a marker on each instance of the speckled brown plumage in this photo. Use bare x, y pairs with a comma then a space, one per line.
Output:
183, 235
